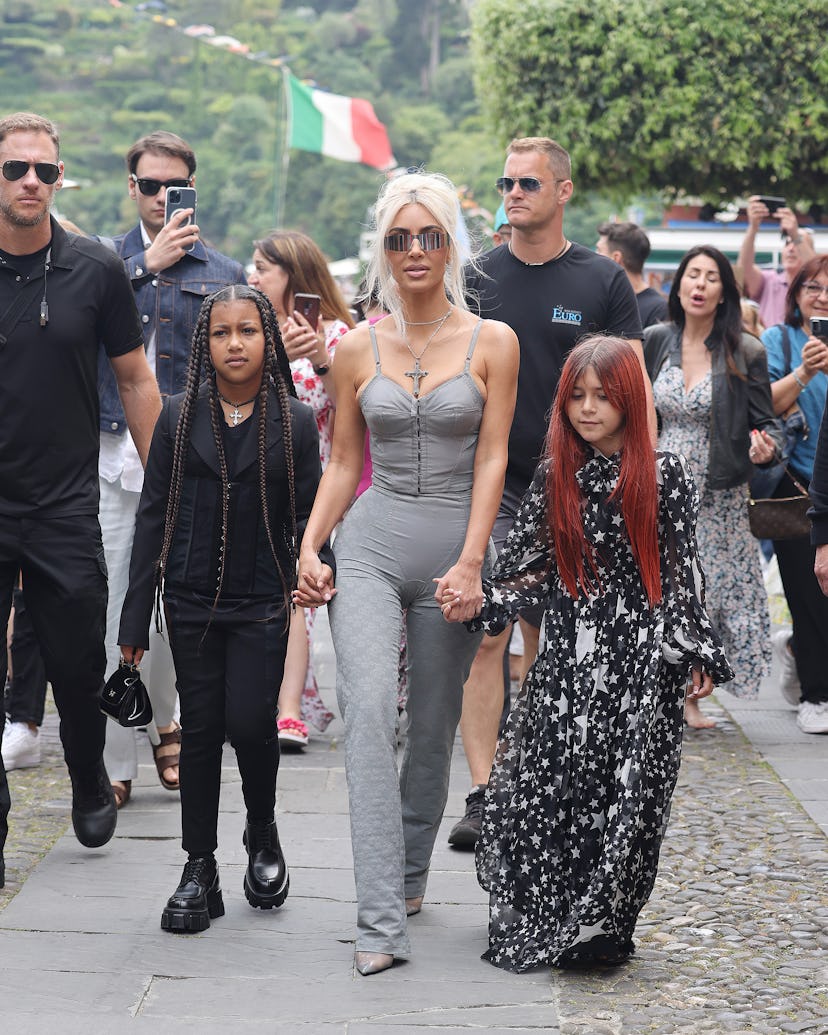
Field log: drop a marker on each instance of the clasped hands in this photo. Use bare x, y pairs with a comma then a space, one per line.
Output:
460, 592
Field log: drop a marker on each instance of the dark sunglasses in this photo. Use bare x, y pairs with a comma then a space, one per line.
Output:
149, 188
16, 169
429, 240
528, 184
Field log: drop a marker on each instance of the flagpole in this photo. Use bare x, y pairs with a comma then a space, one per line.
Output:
283, 165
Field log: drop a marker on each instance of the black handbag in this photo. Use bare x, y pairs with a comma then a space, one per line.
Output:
780, 518
124, 697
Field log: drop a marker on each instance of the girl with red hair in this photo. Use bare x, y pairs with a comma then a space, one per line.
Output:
578, 799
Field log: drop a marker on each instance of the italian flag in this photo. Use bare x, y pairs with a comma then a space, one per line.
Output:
340, 127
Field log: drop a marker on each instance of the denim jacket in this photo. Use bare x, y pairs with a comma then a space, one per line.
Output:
168, 303
739, 403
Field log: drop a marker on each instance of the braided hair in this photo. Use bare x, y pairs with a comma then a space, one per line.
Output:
276, 372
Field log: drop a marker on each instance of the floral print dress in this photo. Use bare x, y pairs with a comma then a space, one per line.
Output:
579, 796
737, 601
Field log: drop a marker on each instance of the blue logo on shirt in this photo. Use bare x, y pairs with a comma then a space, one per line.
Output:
570, 316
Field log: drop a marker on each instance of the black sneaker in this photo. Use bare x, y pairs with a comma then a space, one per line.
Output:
465, 832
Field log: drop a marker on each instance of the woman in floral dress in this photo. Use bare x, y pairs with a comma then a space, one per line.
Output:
287, 263
579, 796
713, 397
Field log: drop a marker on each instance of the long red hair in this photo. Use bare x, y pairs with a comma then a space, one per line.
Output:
617, 367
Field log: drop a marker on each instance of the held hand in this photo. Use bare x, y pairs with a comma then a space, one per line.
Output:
821, 567
172, 242
460, 592
762, 447
788, 223
131, 654
701, 685
814, 356
315, 585
303, 342
756, 211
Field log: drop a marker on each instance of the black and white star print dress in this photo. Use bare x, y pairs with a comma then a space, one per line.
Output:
579, 796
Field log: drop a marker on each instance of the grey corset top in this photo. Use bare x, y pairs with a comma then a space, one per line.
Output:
425, 446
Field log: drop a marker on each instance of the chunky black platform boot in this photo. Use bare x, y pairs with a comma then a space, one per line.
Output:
197, 899
266, 880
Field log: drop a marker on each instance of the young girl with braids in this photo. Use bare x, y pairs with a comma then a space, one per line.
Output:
229, 484
579, 796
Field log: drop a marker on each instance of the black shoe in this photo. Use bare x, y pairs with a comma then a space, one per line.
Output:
465, 832
266, 880
197, 899
94, 814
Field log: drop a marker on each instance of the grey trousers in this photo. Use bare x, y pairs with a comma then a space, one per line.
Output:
395, 814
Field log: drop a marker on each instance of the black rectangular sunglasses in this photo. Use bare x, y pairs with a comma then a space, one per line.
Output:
16, 169
149, 188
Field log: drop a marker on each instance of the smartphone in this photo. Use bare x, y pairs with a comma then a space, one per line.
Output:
308, 306
771, 203
178, 198
819, 327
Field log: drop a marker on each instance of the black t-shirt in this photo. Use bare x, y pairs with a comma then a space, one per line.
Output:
48, 388
652, 305
550, 307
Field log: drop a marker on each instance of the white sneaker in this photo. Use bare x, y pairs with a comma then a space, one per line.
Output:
21, 746
788, 676
813, 717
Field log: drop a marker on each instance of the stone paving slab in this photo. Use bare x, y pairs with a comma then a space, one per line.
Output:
734, 938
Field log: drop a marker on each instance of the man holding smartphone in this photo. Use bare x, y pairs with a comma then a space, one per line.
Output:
172, 271
769, 287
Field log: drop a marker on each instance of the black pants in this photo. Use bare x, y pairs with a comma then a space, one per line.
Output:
228, 682
808, 606
64, 573
26, 695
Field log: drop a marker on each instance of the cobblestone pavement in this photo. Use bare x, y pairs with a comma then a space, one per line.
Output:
734, 938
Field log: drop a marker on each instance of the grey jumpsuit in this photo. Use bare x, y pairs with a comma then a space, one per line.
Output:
407, 529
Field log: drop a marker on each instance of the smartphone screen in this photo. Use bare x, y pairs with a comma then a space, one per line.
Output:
308, 306
178, 198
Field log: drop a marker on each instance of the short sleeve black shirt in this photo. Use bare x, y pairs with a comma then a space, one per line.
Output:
550, 307
652, 305
48, 389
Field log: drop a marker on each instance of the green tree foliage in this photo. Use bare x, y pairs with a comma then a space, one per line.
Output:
109, 73
720, 97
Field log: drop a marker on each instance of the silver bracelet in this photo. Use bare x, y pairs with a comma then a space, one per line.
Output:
799, 381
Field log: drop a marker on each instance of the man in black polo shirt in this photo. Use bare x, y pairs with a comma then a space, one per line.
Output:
60, 295
551, 292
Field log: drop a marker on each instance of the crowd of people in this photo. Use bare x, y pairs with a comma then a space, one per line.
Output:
205, 482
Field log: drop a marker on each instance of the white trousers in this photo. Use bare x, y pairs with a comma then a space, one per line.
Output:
117, 516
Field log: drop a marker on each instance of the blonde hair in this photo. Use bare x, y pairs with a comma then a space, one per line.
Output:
556, 156
435, 193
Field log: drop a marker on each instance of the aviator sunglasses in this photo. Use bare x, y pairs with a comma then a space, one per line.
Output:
16, 169
528, 184
149, 188
402, 240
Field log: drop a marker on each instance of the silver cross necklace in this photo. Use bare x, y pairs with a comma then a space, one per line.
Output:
417, 374
235, 414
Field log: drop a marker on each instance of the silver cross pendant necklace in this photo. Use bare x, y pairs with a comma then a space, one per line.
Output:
417, 374
235, 414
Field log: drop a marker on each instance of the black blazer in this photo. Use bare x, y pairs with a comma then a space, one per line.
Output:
194, 559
